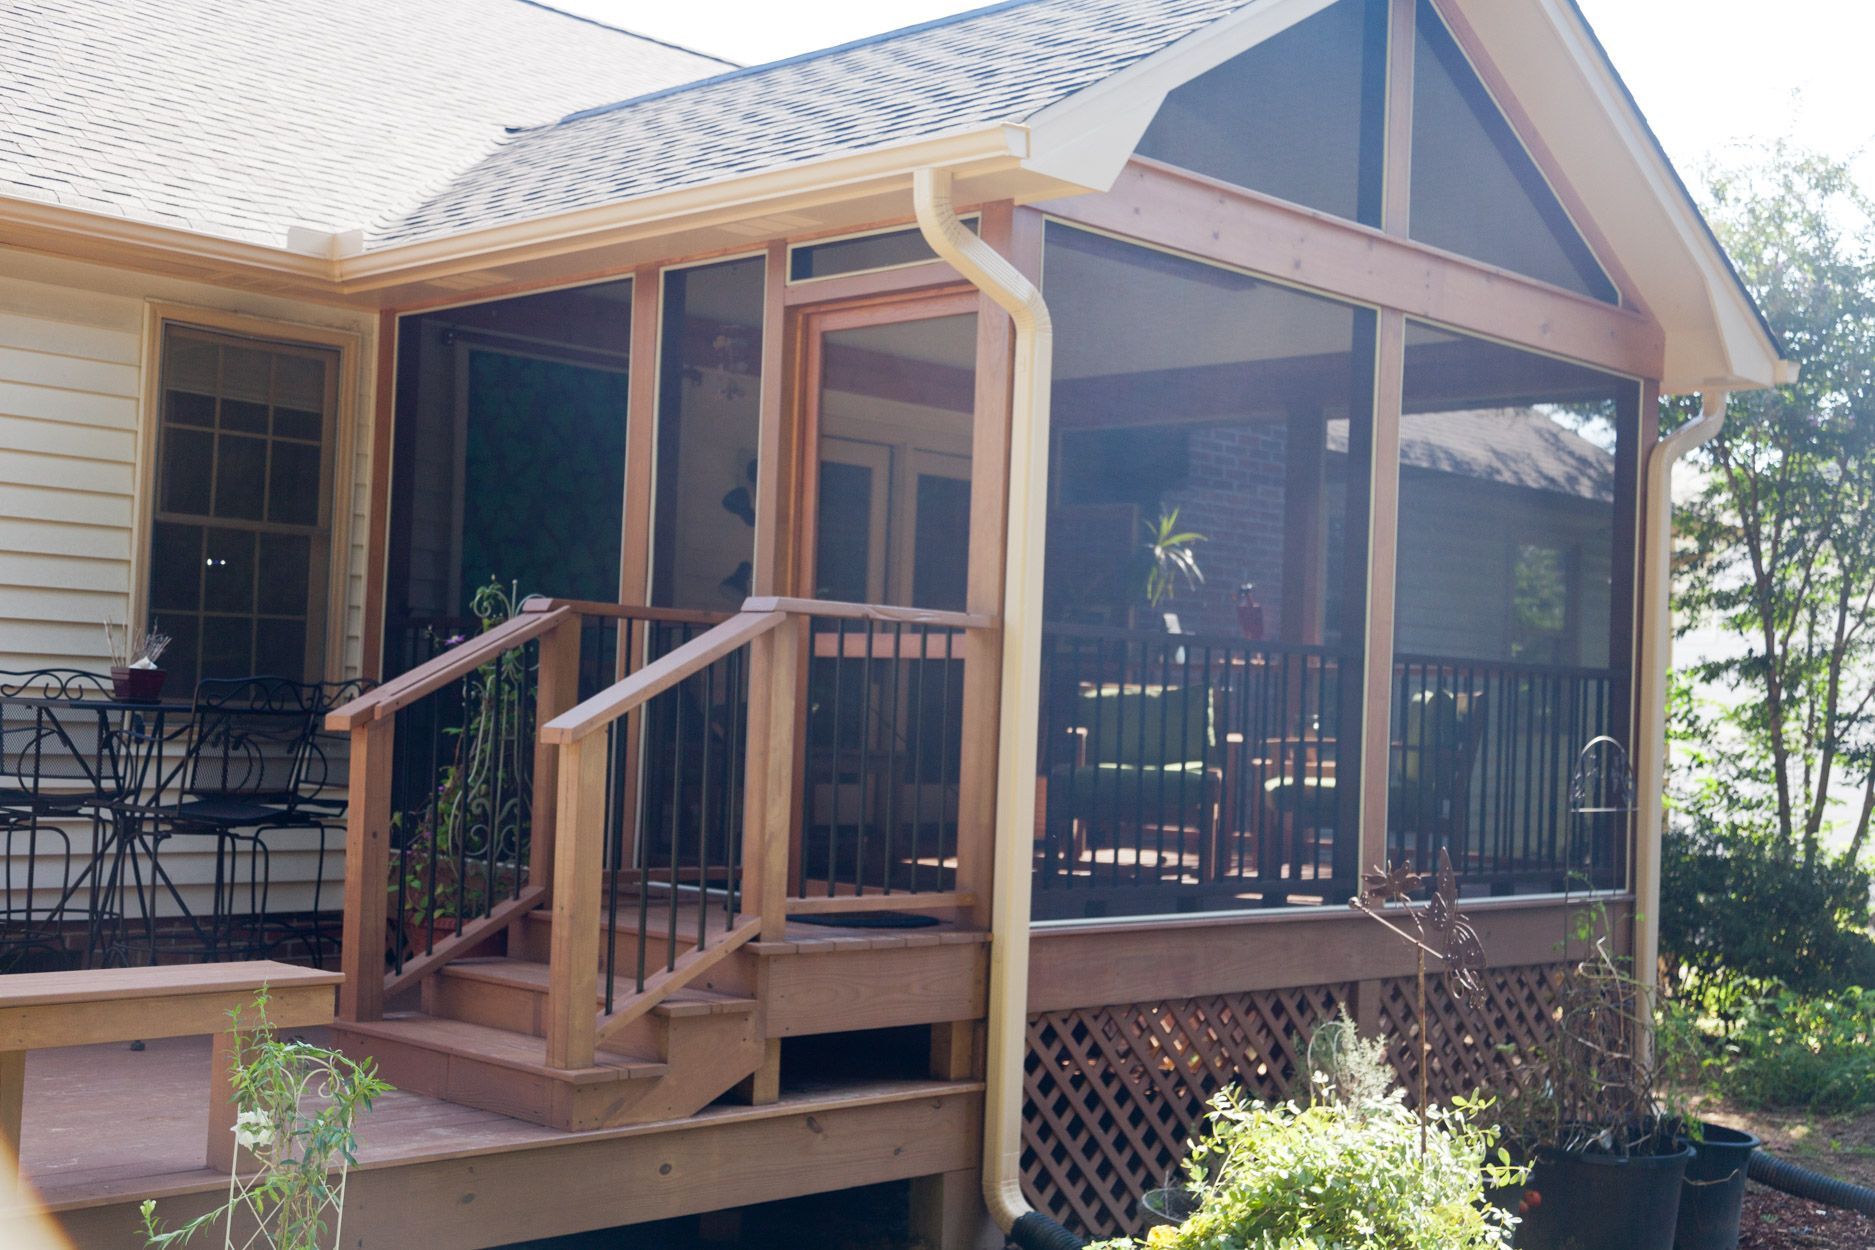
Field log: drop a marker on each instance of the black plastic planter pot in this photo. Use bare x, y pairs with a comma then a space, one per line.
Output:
1601, 1202
1714, 1189
1168, 1206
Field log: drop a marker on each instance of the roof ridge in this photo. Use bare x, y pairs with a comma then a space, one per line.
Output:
797, 59
635, 34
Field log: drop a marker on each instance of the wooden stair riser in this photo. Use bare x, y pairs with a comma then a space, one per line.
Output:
536, 943
522, 1008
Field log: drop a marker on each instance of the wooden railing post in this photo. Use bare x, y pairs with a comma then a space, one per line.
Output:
573, 982
768, 780
556, 690
367, 869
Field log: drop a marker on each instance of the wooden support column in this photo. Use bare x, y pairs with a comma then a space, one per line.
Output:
1398, 181
12, 1103
774, 460
573, 980
1383, 508
947, 1212
556, 691
641, 434
768, 808
1305, 528
223, 1053
367, 870
982, 648
378, 522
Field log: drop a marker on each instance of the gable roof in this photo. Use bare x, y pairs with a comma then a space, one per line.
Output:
1521, 447
243, 118
1001, 64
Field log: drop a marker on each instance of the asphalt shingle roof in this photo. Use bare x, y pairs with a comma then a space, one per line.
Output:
240, 118
993, 65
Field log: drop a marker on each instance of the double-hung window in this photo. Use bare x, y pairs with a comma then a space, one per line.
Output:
241, 537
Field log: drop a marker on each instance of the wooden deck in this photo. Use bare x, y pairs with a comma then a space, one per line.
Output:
106, 1127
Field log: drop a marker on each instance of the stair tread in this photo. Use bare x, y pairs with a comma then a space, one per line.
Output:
517, 1051
534, 975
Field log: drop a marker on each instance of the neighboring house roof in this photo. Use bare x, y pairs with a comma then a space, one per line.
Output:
999, 64
1522, 447
242, 118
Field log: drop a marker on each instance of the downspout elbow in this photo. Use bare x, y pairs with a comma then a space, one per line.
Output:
992, 273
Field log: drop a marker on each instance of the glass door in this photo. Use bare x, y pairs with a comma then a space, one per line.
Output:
890, 404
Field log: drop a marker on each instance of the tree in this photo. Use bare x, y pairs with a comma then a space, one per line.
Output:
1777, 539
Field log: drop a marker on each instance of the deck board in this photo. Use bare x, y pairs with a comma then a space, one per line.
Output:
104, 1124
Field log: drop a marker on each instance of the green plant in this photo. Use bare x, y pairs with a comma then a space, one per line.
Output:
1785, 1050
1171, 558
447, 868
295, 1107
1742, 915
1342, 1174
1599, 1082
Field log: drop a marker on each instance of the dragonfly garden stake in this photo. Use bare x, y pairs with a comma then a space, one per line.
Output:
1434, 931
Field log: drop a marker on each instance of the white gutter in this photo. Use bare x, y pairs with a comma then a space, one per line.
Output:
1656, 656
991, 273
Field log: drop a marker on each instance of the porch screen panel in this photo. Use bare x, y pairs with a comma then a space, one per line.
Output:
1513, 611
1475, 189
709, 415
509, 463
1299, 116
241, 538
1200, 703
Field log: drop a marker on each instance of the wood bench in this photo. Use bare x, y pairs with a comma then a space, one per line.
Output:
43, 1010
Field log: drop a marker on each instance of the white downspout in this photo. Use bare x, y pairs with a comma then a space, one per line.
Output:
991, 273
1656, 657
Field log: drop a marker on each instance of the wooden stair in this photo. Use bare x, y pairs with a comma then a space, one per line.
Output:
479, 1037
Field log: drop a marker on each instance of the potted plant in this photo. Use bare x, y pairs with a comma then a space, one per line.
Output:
134, 656
446, 868
1171, 559
1607, 1155
1342, 1166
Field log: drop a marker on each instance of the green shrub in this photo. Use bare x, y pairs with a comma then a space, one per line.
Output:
1741, 914
1340, 1176
1803, 1052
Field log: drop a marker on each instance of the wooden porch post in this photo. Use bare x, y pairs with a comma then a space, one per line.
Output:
367, 870
768, 808
573, 979
556, 691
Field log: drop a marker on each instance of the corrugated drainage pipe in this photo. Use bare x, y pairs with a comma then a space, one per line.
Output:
992, 274
1802, 1182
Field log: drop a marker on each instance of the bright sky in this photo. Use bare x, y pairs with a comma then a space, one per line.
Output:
1708, 73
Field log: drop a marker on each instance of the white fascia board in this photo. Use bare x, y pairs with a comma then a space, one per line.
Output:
728, 199
1747, 357
37, 223
1086, 138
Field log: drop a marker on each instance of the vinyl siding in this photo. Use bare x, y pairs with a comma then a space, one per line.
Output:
71, 433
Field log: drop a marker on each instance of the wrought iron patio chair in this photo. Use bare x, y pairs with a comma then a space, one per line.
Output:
57, 770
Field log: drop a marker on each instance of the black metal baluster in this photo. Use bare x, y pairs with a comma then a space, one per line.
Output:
896, 675
703, 807
676, 695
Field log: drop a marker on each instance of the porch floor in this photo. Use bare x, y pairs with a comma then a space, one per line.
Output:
106, 1125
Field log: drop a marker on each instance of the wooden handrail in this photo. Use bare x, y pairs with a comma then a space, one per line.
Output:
835, 610
628, 611
657, 677
451, 665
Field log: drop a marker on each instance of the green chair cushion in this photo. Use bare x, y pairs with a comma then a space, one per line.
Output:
1146, 725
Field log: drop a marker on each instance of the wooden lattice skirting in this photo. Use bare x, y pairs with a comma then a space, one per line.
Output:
1114, 1093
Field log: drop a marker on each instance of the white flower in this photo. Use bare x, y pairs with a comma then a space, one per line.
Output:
252, 1130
